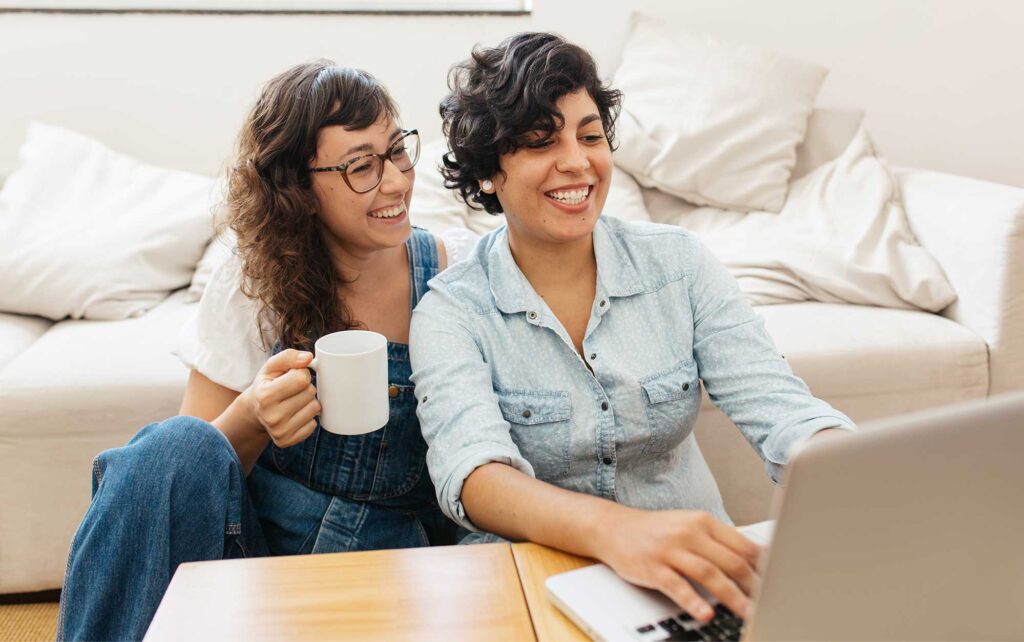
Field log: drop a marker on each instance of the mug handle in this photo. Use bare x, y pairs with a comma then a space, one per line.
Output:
312, 365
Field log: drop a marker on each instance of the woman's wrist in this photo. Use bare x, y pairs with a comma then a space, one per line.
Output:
601, 526
239, 424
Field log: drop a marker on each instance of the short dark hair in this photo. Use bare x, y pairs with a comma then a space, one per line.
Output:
501, 93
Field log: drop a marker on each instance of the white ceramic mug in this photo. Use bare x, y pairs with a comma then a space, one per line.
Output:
352, 381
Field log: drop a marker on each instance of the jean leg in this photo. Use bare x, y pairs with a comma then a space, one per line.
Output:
175, 493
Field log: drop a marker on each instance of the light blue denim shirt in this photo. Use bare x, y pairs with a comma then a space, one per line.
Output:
498, 379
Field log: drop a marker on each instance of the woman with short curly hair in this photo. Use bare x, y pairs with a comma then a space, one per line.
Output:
559, 368
319, 200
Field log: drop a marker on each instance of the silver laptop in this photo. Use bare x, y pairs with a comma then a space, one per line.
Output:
912, 529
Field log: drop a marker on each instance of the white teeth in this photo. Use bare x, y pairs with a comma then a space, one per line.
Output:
390, 212
570, 197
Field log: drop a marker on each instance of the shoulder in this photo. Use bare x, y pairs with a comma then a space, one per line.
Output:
658, 252
647, 235
465, 285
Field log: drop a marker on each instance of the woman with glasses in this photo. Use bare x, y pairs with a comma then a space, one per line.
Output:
559, 368
319, 200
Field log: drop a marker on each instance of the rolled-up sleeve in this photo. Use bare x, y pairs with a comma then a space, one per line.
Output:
457, 408
745, 375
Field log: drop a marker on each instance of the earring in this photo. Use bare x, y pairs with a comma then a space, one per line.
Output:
486, 186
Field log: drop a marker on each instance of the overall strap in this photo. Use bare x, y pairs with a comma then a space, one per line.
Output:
423, 265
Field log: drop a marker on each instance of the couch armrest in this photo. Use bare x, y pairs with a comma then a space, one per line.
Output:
975, 230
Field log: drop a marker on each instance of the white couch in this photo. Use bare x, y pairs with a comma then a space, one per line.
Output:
71, 389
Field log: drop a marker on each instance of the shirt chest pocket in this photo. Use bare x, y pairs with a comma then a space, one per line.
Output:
672, 400
540, 424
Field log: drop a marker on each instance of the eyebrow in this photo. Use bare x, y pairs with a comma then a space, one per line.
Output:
586, 120
367, 147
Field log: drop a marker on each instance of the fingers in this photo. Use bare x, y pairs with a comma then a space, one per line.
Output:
299, 427
682, 593
284, 361
734, 541
714, 580
736, 568
279, 413
284, 386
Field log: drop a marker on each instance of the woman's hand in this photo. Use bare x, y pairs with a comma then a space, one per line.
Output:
669, 550
282, 399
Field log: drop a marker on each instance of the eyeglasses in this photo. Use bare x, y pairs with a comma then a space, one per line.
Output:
364, 173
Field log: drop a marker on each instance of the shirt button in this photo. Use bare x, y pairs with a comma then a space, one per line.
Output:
604, 405
686, 387
393, 390
527, 414
593, 355
607, 461
603, 303
531, 315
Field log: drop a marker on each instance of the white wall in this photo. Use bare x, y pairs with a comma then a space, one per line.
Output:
942, 80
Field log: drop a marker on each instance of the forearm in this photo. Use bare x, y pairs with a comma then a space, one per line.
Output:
504, 501
244, 432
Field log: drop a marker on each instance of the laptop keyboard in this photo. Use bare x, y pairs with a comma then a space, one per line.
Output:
724, 626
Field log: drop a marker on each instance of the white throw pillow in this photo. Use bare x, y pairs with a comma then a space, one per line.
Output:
842, 237
87, 232
829, 132
708, 121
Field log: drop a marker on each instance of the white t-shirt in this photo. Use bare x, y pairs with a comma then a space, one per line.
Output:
222, 340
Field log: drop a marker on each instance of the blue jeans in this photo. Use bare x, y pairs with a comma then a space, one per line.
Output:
176, 493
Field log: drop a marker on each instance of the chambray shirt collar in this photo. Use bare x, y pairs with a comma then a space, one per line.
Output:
616, 273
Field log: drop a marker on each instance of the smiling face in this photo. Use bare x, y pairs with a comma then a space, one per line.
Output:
553, 189
375, 220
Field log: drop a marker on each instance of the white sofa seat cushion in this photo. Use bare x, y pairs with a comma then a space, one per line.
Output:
81, 388
89, 367
863, 351
18, 332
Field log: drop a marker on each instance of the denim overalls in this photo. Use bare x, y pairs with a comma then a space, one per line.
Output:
381, 470
176, 493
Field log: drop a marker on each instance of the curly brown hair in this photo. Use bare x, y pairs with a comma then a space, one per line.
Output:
271, 206
501, 93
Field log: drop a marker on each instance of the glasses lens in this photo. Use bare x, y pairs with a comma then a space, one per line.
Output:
364, 174
406, 152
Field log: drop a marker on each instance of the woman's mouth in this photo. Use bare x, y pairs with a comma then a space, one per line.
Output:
570, 200
390, 214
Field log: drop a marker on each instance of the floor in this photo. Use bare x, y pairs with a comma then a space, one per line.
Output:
33, 621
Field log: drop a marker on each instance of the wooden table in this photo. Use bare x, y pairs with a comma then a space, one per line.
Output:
536, 563
444, 593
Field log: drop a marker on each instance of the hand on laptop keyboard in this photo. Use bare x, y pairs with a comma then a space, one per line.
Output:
674, 551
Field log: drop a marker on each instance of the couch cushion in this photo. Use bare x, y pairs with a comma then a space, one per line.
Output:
18, 332
81, 372
863, 351
81, 388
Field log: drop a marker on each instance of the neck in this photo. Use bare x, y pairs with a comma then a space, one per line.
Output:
547, 265
364, 270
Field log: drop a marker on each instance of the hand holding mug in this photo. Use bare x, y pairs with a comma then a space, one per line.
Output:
283, 400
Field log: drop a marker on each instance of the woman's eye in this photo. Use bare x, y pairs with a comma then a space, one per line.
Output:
399, 152
360, 168
592, 138
540, 144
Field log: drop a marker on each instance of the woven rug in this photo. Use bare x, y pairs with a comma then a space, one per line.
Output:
28, 621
